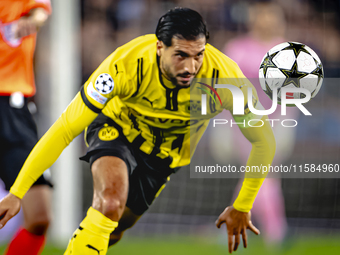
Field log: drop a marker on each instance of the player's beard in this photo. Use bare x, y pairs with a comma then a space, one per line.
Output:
172, 77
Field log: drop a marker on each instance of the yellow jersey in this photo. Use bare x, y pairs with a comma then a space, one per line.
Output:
153, 113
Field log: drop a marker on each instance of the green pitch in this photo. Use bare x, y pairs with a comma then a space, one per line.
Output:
203, 246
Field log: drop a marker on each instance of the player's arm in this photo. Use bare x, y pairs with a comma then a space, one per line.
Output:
237, 217
259, 134
262, 154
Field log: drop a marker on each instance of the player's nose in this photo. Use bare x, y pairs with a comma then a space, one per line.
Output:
190, 65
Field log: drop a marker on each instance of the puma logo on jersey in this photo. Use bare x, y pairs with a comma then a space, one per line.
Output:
93, 248
148, 101
117, 72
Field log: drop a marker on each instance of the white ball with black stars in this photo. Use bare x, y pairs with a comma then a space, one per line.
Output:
291, 64
104, 83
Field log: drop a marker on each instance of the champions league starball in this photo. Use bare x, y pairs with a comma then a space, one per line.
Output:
291, 65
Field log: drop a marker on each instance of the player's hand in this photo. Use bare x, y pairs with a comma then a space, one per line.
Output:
237, 223
30, 23
24, 27
9, 207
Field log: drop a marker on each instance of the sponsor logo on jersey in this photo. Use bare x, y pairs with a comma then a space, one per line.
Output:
108, 133
95, 95
172, 123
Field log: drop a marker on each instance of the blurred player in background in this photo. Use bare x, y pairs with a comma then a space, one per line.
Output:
136, 107
19, 22
265, 17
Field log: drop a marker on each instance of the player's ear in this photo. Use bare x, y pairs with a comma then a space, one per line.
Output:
160, 47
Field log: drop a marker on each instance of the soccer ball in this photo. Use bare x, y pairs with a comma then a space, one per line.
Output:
104, 83
291, 65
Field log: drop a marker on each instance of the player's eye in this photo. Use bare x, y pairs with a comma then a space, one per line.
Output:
198, 56
181, 55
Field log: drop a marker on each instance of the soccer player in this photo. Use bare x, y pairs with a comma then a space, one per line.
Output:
19, 23
136, 107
